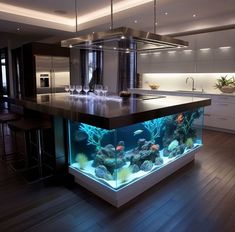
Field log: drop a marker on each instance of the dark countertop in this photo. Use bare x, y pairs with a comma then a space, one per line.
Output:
112, 113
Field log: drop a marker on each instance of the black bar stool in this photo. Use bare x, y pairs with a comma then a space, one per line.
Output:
29, 126
5, 118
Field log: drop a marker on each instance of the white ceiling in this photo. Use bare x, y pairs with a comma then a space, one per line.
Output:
209, 13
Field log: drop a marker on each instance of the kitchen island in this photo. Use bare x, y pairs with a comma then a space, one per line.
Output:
118, 148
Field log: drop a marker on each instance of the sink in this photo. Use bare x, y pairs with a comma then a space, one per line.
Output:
189, 91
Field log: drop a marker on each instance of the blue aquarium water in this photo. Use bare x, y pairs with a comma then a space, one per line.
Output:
120, 156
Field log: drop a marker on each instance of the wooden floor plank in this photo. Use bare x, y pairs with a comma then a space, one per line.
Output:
199, 197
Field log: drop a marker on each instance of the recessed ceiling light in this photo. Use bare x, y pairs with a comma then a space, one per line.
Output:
135, 21
166, 13
93, 32
204, 49
100, 46
18, 29
123, 37
194, 15
226, 47
70, 45
62, 12
114, 48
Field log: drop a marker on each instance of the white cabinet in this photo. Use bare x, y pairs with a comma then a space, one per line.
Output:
219, 115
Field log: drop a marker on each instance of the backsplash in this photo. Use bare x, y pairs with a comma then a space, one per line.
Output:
177, 81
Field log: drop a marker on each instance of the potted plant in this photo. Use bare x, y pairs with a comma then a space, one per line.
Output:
225, 85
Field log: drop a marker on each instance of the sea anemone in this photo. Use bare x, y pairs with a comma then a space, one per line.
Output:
123, 174
82, 160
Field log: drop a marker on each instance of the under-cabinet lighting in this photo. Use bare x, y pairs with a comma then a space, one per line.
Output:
157, 53
204, 49
226, 47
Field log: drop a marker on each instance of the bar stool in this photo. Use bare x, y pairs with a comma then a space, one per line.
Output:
5, 118
28, 126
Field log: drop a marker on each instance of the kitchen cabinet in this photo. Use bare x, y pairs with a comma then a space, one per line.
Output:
220, 115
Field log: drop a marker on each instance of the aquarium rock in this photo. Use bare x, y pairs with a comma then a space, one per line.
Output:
121, 143
102, 172
146, 165
136, 160
166, 153
98, 160
158, 161
112, 163
140, 143
135, 168
173, 145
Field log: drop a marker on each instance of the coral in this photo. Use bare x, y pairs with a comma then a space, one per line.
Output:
102, 172
123, 174
173, 145
146, 165
95, 134
82, 160
158, 161
189, 143
154, 127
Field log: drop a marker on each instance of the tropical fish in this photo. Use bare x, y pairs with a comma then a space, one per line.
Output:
137, 132
119, 148
180, 118
154, 147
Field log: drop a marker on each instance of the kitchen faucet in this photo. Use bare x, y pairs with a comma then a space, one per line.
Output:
193, 88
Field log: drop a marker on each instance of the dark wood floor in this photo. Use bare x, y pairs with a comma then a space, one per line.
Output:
200, 197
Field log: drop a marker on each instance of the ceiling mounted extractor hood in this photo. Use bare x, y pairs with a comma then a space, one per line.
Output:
124, 39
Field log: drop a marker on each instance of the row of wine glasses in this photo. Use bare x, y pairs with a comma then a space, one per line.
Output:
100, 90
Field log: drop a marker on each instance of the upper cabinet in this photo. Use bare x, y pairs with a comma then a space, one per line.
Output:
207, 53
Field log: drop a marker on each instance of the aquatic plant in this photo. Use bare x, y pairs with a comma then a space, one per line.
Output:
123, 174
95, 134
189, 117
82, 160
189, 143
154, 127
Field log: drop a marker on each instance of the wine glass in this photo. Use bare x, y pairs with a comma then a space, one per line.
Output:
86, 89
72, 88
78, 88
105, 90
66, 88
98, 89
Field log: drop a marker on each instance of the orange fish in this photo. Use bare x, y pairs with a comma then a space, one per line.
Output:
180, 118
154, 147
119, 148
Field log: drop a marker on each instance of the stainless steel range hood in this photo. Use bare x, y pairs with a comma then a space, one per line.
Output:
124, 39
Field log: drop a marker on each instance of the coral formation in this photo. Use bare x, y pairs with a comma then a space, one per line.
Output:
154, 127
189, 143
95, 134
82, 160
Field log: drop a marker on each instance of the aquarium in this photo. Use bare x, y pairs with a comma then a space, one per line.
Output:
118, 157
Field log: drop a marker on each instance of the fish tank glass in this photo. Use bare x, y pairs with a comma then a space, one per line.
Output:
118, 157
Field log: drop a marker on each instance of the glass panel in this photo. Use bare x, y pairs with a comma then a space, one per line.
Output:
121, 156
4, 79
